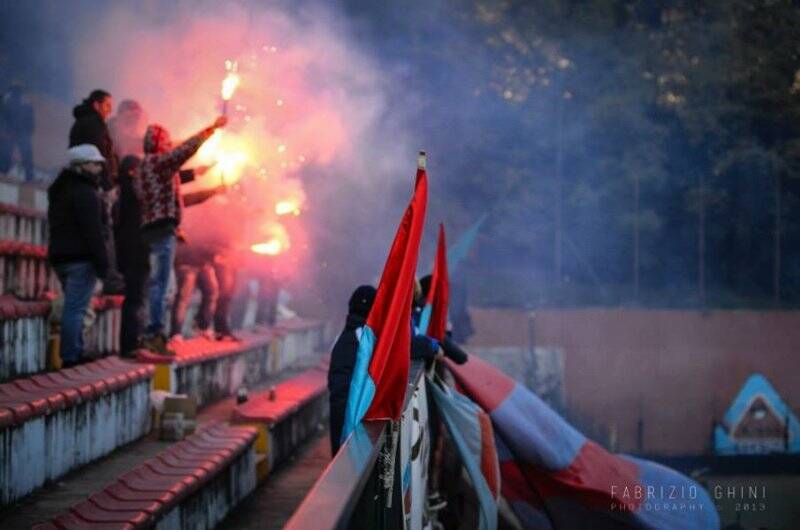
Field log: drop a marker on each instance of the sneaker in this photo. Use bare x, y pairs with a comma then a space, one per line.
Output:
207, 333
227, 336
176, 339
158, 344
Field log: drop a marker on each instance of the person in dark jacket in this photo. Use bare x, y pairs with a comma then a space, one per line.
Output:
16, 117
133, 256
90, 128
159, 193
77, 248
343, 359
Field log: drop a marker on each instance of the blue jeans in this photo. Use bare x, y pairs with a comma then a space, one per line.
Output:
162, 259
78, 280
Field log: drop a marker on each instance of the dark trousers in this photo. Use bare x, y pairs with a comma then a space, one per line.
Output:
205, 279
226, 278
338, 406
133, 307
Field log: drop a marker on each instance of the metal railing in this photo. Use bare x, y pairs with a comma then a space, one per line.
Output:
362, 486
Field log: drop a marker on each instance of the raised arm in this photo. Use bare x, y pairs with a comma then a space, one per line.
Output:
175, 158
197, 197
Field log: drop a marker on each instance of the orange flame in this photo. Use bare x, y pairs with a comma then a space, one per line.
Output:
277, 242
288, 206
227, 153
273, 247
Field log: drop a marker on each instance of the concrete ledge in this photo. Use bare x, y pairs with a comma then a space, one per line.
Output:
24, 270
24, 331
53, 423
285, 416
23, 337
102, 337
22, 224
300, 335
211, 370
191, 485
24, 194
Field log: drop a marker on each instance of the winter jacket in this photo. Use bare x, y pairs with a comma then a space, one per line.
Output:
90, 128
340, 372
158, 189
343, 359
132, 252
74, 214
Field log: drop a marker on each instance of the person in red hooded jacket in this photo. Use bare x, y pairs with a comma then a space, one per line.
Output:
158, 189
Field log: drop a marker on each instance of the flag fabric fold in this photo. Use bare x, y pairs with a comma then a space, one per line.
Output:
382, 362
471, 430
433, 321
554, 477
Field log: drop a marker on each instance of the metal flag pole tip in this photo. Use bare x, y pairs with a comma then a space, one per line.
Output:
422, 159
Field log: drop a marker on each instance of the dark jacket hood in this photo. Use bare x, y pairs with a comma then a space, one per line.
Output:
84, 110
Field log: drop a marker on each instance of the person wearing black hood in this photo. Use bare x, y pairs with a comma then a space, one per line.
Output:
77, 248
343, 359
90, 128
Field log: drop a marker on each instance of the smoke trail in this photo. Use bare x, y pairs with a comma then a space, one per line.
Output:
311, 115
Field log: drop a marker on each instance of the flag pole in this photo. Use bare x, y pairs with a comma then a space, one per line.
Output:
422, 159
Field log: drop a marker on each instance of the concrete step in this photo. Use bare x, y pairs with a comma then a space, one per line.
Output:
25, 333
53, 423
24, 270
24, 225
27, 195
274, 501
211, 370
57, 498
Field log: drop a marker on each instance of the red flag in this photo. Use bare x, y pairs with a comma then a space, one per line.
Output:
390, 316
439, 293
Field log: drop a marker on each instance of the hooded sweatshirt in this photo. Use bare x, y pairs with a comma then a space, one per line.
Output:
159, 185
90, 128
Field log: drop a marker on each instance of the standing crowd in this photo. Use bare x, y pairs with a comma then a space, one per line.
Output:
115, 215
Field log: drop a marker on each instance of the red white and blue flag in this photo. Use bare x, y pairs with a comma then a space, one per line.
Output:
555, 478
433, 321
471, 430
380, 374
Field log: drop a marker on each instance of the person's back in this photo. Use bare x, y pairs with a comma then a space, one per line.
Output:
131, 250
343, 360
